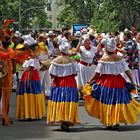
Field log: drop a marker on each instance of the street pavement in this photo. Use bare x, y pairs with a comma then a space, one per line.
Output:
89, 129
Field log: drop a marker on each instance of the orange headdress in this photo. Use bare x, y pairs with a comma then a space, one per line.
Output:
5, 31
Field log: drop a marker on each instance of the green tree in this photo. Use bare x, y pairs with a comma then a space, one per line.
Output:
40, 22
128, 12
106, 15
79, 11
10, 10
67, 16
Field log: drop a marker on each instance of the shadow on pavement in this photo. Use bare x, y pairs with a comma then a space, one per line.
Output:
129, 128
83, 128
88, 128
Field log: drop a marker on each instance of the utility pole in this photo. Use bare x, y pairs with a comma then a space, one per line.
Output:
19, 14
1, 18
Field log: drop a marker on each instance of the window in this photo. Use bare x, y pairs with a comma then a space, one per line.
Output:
50, 17
49, 7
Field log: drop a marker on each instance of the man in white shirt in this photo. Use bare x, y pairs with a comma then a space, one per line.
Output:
50, 43
62, 35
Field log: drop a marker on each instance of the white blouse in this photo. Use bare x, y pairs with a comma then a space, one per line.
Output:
31, 62
62, 70
115, 68
87, 55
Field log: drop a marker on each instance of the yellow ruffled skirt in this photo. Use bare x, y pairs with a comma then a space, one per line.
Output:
63, 101
30, 98
110, 101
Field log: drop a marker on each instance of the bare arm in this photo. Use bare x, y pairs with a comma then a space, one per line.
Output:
99, 48
128, 73
94, 77
79, 44
121, 51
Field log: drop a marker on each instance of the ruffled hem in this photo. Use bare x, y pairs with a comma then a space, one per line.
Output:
62, 111
111, 115
111, 67
30, 106
109, 100
62, 70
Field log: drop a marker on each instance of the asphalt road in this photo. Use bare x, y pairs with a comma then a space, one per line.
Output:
89, 129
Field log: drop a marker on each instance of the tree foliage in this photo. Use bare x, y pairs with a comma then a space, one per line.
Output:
79, 11
106, 15
10, 10
67, 16
128, 12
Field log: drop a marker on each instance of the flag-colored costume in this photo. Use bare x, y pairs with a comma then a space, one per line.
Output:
109, 99
63, 101
30, 98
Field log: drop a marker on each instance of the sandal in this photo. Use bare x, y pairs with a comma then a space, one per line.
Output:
65, 127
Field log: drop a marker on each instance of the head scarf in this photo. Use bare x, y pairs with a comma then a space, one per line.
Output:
109, 44
29, 40
64, 47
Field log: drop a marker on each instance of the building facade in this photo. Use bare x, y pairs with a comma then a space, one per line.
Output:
53, 10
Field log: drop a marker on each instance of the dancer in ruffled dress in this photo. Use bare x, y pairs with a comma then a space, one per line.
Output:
30, 98
86, 68
63, 101
109, 98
